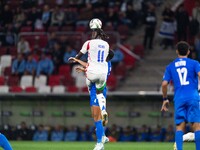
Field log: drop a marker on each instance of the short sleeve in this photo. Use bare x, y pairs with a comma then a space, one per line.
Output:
85, 47
197, 67
167, 75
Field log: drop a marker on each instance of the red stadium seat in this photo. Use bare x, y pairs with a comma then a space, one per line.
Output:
85, 89
13, 81
123, 31
26, 29
80, 29
2, 80
64, 70
16, 89
3, 51
30, 89
53, 29
7, 71
54, 80
72, 89
129, 61
67, 28
13, 51
39, 30
112, 82
139, 50
120, 71
68, 80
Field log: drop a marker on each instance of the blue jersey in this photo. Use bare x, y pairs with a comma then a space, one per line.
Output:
183, 72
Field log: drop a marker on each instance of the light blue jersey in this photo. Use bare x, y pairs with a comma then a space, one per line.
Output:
183, 72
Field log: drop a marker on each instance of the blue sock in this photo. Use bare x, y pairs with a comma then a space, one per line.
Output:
197, 139
4, 142
103, 134
99, 130
179, 140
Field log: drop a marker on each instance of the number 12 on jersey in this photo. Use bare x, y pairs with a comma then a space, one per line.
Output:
182, 73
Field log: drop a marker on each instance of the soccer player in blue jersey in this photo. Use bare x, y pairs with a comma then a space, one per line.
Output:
4, 143
184, 73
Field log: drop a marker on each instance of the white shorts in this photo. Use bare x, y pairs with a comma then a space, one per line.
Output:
98, 79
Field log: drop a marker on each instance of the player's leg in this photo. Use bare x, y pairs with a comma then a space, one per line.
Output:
179, 135
102, 103
4, 143
194, 118
196, 127
96, 114
92, 91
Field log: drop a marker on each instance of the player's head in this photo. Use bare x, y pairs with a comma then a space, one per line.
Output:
182, 48
97, 33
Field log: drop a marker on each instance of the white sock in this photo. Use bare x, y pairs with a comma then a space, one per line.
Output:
188, 137
102, 102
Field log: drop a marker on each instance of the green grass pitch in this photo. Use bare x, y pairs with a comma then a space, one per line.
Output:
18, 145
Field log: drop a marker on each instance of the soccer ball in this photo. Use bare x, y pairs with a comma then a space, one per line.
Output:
95, 24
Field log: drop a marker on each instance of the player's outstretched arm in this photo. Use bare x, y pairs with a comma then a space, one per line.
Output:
84, 64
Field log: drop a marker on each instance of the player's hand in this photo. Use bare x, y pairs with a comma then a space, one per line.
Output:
72, 60
165, 105
79, 69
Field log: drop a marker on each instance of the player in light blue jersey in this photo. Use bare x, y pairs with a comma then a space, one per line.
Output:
184, 73
4, 143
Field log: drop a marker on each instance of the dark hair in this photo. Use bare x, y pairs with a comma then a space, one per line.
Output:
183, 48
101, 34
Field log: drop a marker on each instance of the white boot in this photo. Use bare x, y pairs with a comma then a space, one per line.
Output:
99, 146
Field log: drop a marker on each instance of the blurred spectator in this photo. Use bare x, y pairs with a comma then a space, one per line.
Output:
157, 134
45, 65
41, 134
86, 134
118, 56
57, 134
32, 16
170, 134
51, 42
132, 15
56, 55
195, 22
23, 46
27, 4
46, 17
23, 133
31, 65
197, 46
71, 134
168, 27
18, 65
19, 18
7, 15
57, 16
150, 26
71, 17
112, 17
69, 52
59, 2
145, 133
127, 134
114, 133
182, 20
63, 41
